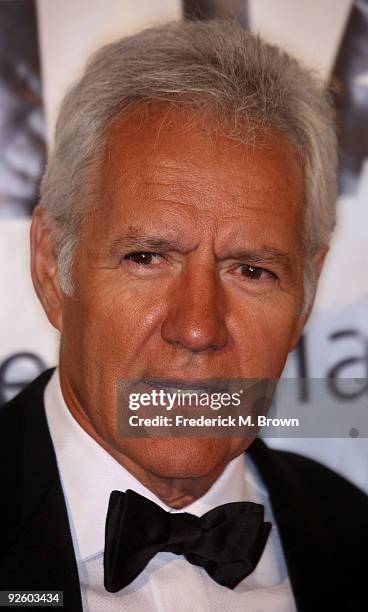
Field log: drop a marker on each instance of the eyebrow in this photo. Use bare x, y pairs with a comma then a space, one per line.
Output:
263, 256
141, 241
256, 257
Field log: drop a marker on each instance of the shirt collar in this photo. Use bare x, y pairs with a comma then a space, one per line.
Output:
87, 489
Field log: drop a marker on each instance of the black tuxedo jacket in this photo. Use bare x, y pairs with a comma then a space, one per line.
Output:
322, 518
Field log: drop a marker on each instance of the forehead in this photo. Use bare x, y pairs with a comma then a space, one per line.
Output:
173, 160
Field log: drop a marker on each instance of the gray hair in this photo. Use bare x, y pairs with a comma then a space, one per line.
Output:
214, 66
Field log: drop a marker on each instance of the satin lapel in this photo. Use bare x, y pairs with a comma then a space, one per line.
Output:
37, 547
309, 548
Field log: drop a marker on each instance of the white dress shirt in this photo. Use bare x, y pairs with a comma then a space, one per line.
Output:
169, 582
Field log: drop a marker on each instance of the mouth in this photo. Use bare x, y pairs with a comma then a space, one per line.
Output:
189, 385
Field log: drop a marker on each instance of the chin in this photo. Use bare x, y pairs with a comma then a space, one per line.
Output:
182, 457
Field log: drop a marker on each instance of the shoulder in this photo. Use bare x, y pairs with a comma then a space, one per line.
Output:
33, 392
318, 479
27, 462
16, 414
342, 505
304, 476
328, 507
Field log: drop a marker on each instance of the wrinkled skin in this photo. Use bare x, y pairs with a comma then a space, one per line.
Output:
191, 265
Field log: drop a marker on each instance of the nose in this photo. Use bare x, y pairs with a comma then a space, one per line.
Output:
195, 316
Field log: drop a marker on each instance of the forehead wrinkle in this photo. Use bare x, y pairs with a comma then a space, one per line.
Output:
192, 193
183, 179
174, 189
196, 187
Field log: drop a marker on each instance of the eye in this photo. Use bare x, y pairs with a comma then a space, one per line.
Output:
143, 258
255, 273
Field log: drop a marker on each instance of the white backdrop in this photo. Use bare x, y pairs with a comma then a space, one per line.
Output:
338, 329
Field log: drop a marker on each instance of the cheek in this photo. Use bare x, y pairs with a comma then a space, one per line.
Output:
115, 325
263, 331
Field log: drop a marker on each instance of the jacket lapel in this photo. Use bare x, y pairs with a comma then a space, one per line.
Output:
309, 547
37, 547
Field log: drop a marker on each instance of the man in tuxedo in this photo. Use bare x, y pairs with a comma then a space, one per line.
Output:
185, 215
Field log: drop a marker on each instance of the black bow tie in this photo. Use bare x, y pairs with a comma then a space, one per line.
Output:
226, 541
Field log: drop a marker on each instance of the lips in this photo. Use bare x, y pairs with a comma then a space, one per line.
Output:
195, 385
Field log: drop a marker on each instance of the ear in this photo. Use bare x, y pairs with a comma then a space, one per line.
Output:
317, 262
44, 267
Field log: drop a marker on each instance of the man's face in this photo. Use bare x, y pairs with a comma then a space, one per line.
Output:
190, 267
